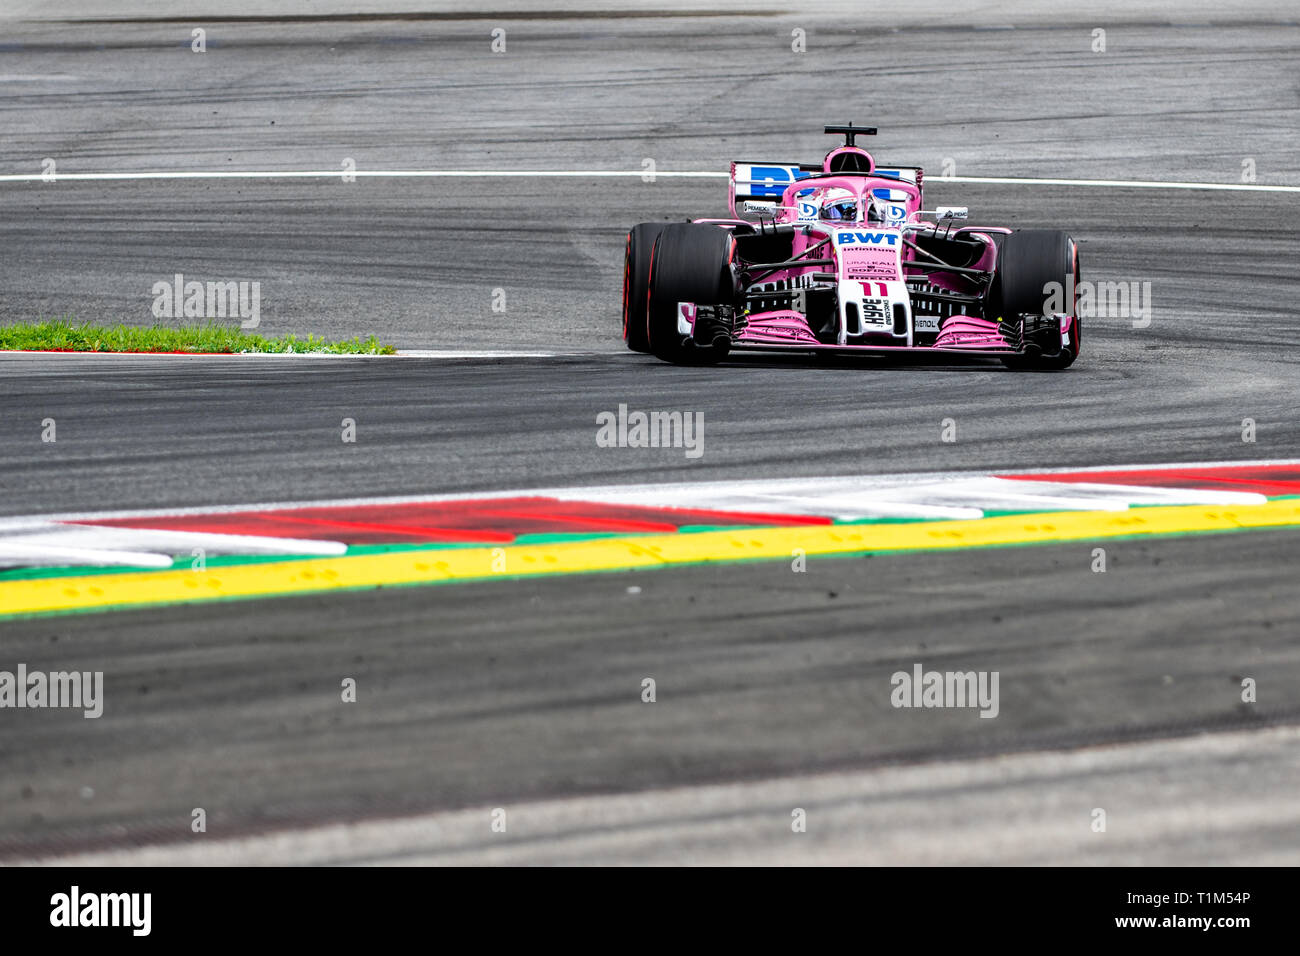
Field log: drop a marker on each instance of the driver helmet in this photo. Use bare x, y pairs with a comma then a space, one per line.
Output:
840, 205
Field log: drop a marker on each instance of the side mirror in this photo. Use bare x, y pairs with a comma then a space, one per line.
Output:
951, 212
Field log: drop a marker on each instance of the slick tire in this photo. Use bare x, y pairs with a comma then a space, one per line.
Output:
690, 262
1028, 260
636, 278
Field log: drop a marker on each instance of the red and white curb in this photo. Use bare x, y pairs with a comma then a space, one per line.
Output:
151, 538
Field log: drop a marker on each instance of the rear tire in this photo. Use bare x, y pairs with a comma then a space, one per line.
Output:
636, 276
690, 262
1027, 261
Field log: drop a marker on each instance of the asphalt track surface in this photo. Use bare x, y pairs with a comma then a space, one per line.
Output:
526, 694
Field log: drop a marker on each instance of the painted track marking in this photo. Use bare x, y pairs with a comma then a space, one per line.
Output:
602, 174
423, 567
71, 563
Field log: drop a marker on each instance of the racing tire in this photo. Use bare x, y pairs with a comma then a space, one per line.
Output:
1028, 260
690, 262
636, 276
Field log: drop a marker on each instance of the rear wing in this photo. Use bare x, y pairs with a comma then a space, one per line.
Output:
767, 181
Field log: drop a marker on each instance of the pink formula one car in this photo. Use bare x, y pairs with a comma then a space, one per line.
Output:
838, 257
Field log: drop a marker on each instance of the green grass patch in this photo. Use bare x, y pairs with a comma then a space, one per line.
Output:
62, 336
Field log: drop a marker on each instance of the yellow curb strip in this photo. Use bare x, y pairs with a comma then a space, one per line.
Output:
603, 554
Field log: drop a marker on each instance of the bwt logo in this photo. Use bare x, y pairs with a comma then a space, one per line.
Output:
866, 238
772, 180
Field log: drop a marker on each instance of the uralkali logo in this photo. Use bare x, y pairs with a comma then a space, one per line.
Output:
923, 688
210, 300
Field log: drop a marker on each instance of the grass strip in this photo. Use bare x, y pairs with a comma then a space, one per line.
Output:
59, 335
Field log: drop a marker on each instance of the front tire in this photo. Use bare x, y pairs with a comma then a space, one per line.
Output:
636, 276
1028, 260
690, 262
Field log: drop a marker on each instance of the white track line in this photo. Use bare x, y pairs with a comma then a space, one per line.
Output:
1156, 495
115, 537
400, 353
485, 353
1166, 466
369, 173
55, 543
1115, 183
843, 506
34, 554
600, 174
